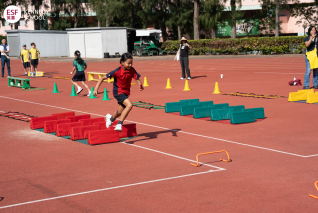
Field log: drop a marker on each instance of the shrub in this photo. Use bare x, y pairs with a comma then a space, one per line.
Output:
267, 45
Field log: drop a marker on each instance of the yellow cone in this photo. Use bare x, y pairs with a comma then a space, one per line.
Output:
216, 88
186, 86
168, 84
146, 82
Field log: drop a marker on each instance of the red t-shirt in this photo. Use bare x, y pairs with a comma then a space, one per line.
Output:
122, 80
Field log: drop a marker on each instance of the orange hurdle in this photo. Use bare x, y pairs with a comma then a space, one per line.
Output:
317, 190
228, 157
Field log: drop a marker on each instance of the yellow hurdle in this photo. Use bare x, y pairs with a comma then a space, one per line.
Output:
300, 95
38, 74
312, 98
91, 77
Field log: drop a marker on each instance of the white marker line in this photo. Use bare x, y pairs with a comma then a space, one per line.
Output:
278, 73
106, 189
228, 141
153, 150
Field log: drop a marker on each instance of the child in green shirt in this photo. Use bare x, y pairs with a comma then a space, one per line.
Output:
79, 66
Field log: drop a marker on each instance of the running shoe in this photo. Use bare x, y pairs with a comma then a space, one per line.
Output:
306, 87
189, 78
89, 94
108, 121
182, 78
119, 127
79, 90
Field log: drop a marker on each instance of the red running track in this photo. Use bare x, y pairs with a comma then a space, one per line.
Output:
274, 160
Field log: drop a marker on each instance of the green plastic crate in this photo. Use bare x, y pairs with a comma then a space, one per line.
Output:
242, 117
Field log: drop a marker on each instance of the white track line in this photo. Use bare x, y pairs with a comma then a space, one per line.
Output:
203, 136
153, 150
106, 189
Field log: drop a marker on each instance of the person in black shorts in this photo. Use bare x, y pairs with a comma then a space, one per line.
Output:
121, 89
79, 65
25, 59
35, 58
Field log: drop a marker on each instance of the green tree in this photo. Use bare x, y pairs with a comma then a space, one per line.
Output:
156, 13
234, 14
212, 14
180, 18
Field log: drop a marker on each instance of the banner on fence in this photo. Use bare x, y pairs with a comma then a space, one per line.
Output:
244, 27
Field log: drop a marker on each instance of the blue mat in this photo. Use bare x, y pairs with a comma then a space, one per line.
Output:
304, 102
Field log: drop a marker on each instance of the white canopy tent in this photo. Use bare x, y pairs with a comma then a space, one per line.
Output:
148, 33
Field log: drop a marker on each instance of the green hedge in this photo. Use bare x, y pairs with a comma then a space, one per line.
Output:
254, 45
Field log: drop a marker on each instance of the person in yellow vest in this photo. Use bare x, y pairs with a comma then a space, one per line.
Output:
25, 59
35, 58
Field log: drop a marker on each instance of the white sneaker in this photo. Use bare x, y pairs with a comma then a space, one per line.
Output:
108, 121
89, 94
189, 78
79, 90
119, 128
32, 74
182, 78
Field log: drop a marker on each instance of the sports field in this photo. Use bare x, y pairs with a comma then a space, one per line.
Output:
274, 160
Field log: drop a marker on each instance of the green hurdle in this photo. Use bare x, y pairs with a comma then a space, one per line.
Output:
242, 117
189, 101
259, 113
173, 106
188, 109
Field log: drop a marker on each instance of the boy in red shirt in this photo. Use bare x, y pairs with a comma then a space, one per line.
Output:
121, 90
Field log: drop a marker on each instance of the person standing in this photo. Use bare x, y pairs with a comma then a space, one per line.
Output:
311, 44
35, 58
25, 59
184, 57
5, 59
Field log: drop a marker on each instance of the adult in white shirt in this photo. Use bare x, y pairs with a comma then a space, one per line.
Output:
5, 59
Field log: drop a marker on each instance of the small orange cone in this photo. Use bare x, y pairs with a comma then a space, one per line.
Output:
168, 84
186, 86
145, 82
216, 89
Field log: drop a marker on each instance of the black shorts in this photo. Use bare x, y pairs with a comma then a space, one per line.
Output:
79, 76
26, 64
121, 98
34, 62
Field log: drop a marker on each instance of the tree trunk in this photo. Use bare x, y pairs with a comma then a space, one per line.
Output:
132, 15
179, 32
233, 29
37, 22
99, 24
107, 19
196, 28
277, 19
213, 33
75, 17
